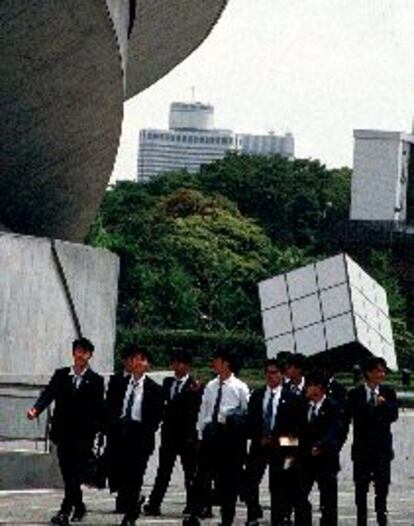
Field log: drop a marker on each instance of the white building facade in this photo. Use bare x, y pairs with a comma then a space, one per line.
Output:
192, 141
383, 177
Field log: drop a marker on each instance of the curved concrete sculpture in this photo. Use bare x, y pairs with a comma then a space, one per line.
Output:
67, 66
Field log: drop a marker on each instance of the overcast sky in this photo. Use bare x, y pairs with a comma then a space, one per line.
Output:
317, 68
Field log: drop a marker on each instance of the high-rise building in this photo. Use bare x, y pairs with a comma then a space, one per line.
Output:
383, 178
192, 140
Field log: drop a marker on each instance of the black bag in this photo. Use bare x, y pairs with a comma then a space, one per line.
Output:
95, 473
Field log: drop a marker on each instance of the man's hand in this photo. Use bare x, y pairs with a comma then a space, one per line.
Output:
315, 451
32, 413
380, 400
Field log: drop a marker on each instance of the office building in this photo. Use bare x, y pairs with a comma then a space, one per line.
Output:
192, 140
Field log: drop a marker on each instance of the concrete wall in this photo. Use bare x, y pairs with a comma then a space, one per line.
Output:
36, 326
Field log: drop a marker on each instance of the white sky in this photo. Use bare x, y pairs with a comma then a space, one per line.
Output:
318, 68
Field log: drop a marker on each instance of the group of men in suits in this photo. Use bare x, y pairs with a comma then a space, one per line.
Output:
295, 424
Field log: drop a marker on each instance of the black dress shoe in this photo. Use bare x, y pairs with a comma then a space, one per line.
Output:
60, 518
79, 513
206, 513
151, 510
191, 521
126, 521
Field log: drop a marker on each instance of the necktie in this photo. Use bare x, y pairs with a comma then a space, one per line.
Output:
77, 379
372, 398
130, 402
216, 408
313, 414
176, 389
268, 416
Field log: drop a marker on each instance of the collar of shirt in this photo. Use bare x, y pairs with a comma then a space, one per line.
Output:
73, 373
135, 382
182, 380
369, 389
77, 378
277, 391
317, 405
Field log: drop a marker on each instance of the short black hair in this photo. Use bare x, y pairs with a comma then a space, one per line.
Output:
273, 362
182, 356
372, 362
228, 356
132, 349
297, 360
84, 344
317, 377
282, 357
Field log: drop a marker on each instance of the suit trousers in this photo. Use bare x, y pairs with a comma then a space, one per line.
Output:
221, 458
134, 455
170, 448
327, 479
72, 455
257, 461
377, 469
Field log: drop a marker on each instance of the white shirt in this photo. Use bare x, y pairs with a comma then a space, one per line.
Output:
317, 406
369, 390
174, 383
277, 394
136, 385
300, 386
77, 378
235, 395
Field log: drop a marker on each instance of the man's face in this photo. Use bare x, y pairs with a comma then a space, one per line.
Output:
376, 376
273, 376
180, 368
137, 364
81, 357
220, 366
292, 372
314, 392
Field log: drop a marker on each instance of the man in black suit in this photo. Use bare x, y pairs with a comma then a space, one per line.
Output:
182, 395
78, 393
293, 371
321, 443
113, 434
372, 407
135, 405
273, 412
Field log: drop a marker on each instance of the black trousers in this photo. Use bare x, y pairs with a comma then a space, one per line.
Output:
257, 461
72, 455
135, 450
377, 469
326, 477
172, 447
221, 458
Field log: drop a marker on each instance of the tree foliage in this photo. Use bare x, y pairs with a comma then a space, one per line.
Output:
194, 246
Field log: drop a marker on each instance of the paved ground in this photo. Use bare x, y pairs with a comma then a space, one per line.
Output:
35, 507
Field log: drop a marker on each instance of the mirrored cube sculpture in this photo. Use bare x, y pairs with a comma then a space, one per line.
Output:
332, 305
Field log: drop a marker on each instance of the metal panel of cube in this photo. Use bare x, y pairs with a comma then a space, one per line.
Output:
330, 305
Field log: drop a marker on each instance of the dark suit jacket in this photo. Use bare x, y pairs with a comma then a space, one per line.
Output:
326, 433
372, 425
78, 413
289, 417
152, 406
180, 414
337, 391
